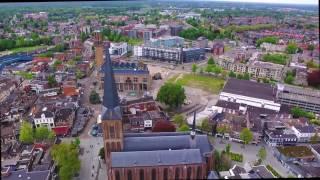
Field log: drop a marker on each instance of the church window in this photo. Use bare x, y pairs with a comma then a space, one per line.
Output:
112, 132
117, 175
141, 174
177, 173
154, 174
199, 172
189, 173
165, 174
129, 175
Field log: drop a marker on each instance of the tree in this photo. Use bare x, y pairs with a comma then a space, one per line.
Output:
41, 133
262, 154
222, 129
292, 48
246, 76
239, 76
217, 161
289, 77
178, 119
171, 94
217, 70
310, 47
194, 68
315, 139
94, 97
184, 128
51, 135
225, 161
79, 74
232, 74
228, 147
209, 68
76, 142
66, 157
163, 126
210, 61
26, 133
101, 153
205, 125
51, 81
201, 70
246, 136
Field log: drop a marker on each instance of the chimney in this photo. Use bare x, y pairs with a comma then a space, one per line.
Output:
193, 131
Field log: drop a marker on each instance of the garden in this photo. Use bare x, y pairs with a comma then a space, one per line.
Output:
275, 58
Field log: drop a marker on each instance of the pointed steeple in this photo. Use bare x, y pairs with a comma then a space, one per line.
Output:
193, 131
110, 109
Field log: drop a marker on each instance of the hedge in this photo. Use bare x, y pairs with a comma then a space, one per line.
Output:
274, 172
236, 157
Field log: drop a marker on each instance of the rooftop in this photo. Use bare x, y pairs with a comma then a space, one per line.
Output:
155, 158
23, 174
249, 89
295, 151
166, 141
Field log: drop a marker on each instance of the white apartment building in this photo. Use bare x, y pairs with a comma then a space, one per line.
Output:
119, 49
304, 133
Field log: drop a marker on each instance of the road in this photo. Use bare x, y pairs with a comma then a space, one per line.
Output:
250, 154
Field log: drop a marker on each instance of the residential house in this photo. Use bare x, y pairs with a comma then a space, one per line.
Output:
44, 118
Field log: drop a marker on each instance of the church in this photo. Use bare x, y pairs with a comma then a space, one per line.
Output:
144, 156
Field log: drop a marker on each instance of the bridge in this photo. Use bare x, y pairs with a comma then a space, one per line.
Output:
9, 59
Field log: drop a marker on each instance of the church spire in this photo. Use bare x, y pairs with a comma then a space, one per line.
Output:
193, 131
110, 108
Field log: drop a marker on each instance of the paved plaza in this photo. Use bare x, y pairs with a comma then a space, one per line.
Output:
250, 154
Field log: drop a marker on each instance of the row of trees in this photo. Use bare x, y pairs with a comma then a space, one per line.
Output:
67, 158
117, 37
7, 44
29, 135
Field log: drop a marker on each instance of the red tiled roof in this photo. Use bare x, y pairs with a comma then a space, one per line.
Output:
70, 91
40, 59
62, 130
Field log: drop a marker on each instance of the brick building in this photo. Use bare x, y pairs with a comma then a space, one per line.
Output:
137, 156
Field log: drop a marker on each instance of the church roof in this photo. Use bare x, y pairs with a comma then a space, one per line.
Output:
155, 158
110, 109
166, 142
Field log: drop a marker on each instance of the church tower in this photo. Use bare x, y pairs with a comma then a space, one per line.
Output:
111, 115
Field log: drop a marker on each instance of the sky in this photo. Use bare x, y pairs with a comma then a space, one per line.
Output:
279, 1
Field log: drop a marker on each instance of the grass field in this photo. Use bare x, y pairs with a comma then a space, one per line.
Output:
25, 75
26, 49
206, 83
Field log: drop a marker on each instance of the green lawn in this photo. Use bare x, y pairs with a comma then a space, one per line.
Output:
25, 75
206, 83
26, 49
276, 58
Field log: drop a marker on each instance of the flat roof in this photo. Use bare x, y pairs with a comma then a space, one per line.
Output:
249, 89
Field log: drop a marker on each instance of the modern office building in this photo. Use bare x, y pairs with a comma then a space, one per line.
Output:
193, 54
175, 30
167, 42
305, 98
173, 55
118, 49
